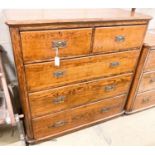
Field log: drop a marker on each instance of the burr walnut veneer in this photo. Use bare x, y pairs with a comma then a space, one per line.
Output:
142, 94
98, 50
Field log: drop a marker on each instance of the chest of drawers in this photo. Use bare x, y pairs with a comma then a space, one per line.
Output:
98, 50
142, 95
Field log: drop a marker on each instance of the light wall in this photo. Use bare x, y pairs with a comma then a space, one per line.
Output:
6, 42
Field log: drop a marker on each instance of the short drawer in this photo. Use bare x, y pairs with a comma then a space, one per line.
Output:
150, 63
144, 100
67, 97
45, 75
40, 45
117, 38
147, 82
52, 125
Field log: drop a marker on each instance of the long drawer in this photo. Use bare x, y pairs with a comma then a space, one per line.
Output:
45, 75
150, 63
40, 45
144, 100
66, 97
107, 39
147, 82
55, 124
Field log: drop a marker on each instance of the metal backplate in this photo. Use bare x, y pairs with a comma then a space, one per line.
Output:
105, 109
58, 99
58, 74
114, 64
109, 88
59, 44
119, 38
145, 100
58, 124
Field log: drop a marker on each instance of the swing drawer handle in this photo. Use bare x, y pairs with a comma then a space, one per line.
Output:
59, 99
109, 88
114, 64
58, 124
58, 74
119, 38
145, 100
59, 44
105, 110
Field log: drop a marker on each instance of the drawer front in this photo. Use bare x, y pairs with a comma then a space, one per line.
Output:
144, 100
150, 63
117, 38
147, 82
44, 75
55, 124
40, 45
63, 98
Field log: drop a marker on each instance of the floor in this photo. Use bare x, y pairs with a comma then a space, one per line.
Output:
136, 129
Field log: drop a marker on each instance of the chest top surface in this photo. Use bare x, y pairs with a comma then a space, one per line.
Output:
150, 39
23, 17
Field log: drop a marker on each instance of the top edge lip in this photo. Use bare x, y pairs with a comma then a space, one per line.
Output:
37, 22
58, 19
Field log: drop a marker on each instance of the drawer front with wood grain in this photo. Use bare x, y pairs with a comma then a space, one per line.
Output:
45, 75
150, 63
41, 45
51, 125
147, 82
110, 39
144, 100
66, 97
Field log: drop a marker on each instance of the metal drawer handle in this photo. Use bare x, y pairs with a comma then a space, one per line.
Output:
59, 44
58, 124
77, 117
114, 64
109, 108
59, 99
58, 74
109, 88
119, 38
145, 100
152, 80
105, 110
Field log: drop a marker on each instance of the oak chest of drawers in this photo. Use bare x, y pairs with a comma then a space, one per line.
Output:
98, 51
142, 95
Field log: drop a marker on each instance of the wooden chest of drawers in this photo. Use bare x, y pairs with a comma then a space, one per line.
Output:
142, 95
98, 50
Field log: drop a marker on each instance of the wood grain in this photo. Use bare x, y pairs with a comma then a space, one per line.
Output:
16, 42
147, 82
144, 80
51, 125
37, 45
150, 63
41, 76
78, 94
136, 79
105, 38
144, 100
